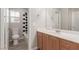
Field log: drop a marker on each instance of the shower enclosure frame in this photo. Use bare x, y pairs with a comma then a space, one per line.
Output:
4, 29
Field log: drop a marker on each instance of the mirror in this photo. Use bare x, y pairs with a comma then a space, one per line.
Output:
62, 18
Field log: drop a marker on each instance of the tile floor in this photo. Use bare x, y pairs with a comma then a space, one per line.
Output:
21, 46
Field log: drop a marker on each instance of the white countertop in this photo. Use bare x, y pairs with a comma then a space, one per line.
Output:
64, 34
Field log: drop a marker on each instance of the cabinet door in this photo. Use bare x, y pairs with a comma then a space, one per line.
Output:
45, 41
39, 40
50, 42
68, 45
53, 43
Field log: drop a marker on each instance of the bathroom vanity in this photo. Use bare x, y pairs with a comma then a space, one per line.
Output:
51, 40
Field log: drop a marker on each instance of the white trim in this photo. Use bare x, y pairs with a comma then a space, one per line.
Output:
6, 30
2, 29
29, 29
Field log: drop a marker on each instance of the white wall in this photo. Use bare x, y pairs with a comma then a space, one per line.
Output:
53, 18
50, 20
37, 20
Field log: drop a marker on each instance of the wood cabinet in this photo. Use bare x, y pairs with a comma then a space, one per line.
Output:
52, 43
68, 45
49, 42
40, 40
45, 41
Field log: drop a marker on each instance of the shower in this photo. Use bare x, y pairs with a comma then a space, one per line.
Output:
16, 20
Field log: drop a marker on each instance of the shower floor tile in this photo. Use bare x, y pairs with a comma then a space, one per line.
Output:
21, 46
